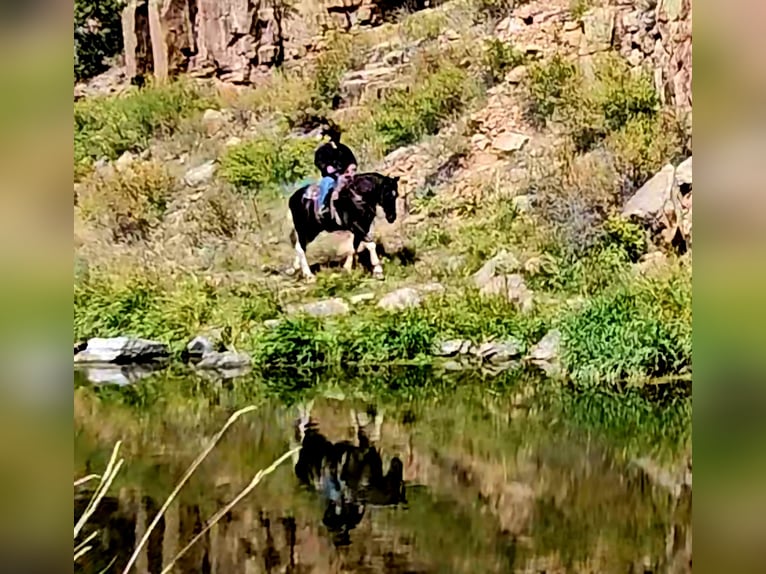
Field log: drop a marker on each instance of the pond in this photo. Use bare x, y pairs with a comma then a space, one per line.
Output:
438, 473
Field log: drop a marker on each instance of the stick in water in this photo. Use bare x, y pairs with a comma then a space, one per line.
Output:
221, 513
185, 478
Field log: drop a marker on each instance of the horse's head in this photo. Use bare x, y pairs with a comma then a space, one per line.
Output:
388, 195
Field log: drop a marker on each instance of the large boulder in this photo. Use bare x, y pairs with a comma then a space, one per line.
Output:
121, 350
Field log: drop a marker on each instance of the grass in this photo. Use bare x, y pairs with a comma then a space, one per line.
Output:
108, 126
113, 467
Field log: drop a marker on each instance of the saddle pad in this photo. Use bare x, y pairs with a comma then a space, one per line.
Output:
311, 193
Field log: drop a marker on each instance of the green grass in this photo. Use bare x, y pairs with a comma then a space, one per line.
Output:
110, 125
631, 333
407, 115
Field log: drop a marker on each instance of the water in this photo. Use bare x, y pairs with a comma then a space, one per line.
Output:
498, 475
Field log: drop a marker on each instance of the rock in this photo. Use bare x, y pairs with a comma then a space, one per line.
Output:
448, 348
213, 121
480, 141
453, 366
324, 308
598, 30
272, 323
509, 142
430, 288
200, 175
500, 352
545, 354
124, 161
400, 299
635, 58
516, 75
651, 263
224, 361
648, 202
631, 22
361, 298
199, 346
684, 172
502, 262
233, 141
520, 203
513, 288
121, 350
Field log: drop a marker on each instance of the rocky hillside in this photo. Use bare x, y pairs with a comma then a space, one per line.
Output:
544, 151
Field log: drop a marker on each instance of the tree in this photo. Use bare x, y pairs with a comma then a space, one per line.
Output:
97, 35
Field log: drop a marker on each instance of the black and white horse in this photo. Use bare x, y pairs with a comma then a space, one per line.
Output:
349, 477
356, 206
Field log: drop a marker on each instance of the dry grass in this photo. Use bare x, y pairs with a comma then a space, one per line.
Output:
113, 467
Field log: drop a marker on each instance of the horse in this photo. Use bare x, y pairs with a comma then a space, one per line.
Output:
356, 204
349, 477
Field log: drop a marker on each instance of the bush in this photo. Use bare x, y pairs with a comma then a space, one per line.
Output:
626, 235
644, 145
407, 115
589, 109
635, 332
97, 35
328, 72
547, 85
108, 126
499, 58
130, 201
423, 26
267, 162
495, 9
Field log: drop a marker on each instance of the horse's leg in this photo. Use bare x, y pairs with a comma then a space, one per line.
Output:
377, 268
355, 242
300, 257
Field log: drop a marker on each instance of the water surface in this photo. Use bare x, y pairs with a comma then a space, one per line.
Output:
499, 474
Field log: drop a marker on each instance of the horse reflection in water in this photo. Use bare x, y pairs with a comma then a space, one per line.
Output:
349, 477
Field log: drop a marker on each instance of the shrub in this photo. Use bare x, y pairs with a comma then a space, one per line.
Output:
574, 194
634, 332
589, 109
129, 201
265, 163
328, 72
108, 126
423, 26
643, 145
499, 58
495, 9
626, 235
409, 114
97, 35
548, 83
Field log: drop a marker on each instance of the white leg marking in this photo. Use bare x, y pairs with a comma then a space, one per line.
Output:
377, 269
350, 252
300, 258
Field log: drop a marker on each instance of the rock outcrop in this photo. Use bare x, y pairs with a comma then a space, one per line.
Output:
229, 39
234, 40
664, 205
655, 36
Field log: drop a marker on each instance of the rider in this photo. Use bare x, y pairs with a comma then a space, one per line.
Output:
333, 160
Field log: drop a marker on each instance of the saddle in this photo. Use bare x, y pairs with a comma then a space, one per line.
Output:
328, 209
